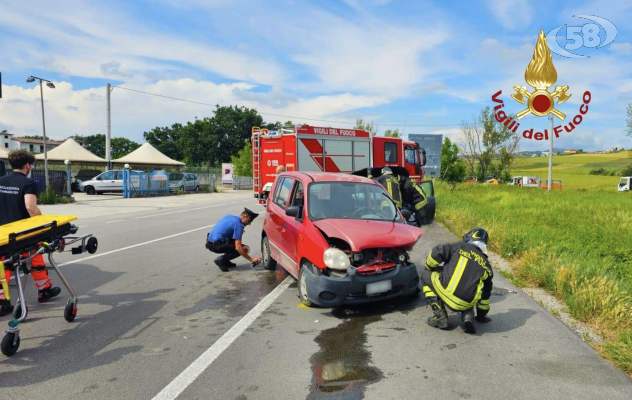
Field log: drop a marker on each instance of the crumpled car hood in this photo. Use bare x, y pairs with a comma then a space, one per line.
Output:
366, 234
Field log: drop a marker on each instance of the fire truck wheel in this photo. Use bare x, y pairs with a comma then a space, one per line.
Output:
268, 262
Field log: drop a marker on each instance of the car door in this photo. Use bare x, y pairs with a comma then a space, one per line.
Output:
278, 225
291, 227
105, 182
117, 185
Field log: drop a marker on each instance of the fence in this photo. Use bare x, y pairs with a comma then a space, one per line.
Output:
145, 184
57, 179
242, 182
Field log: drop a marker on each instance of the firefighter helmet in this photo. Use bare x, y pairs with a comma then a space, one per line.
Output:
476, 235
387, 171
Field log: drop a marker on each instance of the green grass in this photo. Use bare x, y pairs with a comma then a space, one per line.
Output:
574, 169
575, 244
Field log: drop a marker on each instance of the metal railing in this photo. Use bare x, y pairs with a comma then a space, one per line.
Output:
242, 182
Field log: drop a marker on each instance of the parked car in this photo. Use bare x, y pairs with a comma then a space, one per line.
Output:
341, 236
109, 181
184, 182
82, 176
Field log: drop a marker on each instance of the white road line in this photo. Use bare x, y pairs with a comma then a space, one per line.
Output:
134, 245
180, 211
190, 374
113, 222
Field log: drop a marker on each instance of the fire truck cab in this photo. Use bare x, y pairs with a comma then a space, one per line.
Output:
310, 148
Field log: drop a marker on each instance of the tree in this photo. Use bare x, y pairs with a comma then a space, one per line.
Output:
368, 126
389, 133
119, 147
242, 162
452, 167
489, 147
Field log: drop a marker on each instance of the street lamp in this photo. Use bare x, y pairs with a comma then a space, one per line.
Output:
52, 86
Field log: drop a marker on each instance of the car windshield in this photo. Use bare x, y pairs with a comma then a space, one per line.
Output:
350, 200
175, 177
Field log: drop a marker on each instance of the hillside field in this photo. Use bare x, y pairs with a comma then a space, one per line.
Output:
574, 169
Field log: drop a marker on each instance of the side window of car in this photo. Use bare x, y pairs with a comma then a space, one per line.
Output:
283, 194
390, 152
119, 175
298, 199
108, 176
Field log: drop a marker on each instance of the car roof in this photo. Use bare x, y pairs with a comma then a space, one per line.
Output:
328, 177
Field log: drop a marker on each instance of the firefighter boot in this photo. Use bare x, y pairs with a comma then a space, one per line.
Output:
5, 307
44, 295
467, 317
440, 317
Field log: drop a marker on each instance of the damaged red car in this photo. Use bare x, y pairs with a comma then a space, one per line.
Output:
341, 236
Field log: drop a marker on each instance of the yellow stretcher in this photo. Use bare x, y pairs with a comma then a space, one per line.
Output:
21, 241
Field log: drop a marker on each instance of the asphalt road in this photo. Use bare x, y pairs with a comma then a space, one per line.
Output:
156, 317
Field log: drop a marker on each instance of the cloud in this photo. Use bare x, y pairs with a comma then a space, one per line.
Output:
512, 14
70, 111
622, 49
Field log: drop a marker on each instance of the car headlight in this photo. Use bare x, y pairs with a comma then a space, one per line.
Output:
336, 259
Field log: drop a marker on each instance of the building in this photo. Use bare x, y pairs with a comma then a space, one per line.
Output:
9, 141
571, 151
612, 150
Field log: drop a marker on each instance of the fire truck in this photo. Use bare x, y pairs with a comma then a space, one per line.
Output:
311, 148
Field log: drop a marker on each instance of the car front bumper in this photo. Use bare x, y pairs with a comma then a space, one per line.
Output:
327, 291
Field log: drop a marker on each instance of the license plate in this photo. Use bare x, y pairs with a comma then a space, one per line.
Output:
378, 287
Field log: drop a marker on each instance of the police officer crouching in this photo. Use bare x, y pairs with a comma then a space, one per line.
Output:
459, 275
225, 239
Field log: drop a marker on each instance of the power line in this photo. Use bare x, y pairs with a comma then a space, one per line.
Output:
285, 116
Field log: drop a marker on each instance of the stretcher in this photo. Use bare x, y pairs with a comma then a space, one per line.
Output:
21, 241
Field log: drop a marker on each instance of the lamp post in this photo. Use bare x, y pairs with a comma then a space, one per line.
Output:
52, 86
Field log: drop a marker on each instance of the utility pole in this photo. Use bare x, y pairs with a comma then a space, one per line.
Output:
550, 154
108, 119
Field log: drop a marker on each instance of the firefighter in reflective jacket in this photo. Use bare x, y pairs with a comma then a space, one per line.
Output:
459, 275
403, 191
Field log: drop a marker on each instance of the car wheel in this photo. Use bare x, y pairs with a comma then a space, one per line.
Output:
90, 190
302, 287
268, 262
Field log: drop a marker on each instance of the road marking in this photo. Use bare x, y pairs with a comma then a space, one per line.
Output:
190, 374
113, 222
181, 211
135, 245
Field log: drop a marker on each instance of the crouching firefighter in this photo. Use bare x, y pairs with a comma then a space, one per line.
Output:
459, 276
225, 239
404, 191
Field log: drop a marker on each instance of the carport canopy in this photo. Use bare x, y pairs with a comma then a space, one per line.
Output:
73, 151
148, 155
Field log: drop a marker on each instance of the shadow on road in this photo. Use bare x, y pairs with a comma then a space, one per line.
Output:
80, 346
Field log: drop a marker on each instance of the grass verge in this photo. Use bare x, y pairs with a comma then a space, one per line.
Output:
574, 244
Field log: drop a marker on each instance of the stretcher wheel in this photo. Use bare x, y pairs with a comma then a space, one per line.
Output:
17, 311
10, 344
70, 312
92, 245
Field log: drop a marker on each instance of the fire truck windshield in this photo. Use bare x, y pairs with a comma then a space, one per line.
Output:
350, 200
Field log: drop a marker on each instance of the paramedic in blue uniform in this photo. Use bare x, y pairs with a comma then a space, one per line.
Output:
225, 239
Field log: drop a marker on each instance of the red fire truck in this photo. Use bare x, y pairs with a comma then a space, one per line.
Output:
310, 148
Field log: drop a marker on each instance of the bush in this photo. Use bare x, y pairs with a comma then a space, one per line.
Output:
48, 196
627, 171
602, 171
208, 189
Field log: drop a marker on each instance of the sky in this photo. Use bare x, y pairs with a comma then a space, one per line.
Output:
417, 66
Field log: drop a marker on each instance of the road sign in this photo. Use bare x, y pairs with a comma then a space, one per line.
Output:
432, 145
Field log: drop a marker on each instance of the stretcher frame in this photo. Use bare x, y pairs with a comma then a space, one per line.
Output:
42, 239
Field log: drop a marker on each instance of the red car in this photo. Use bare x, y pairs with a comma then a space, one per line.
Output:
341, 236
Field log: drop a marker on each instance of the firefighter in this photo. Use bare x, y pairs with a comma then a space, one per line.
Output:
459, 276
18, 200
225, 239
404, 191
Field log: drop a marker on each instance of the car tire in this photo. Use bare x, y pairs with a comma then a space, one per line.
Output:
89, 190
302, 287
266, 258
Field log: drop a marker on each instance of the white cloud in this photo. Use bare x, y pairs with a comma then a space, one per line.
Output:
78, 39
70, 111
512, 14
622, 49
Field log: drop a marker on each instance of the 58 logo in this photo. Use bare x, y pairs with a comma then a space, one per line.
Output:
589, 35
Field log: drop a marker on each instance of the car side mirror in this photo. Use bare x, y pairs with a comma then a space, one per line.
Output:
293, 211
406, 214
